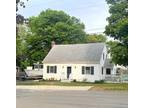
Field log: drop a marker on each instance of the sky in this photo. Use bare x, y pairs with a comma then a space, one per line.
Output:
92, 13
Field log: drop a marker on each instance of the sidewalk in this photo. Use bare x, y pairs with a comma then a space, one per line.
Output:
43, 87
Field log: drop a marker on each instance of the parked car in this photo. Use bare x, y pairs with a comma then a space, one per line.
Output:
21, 76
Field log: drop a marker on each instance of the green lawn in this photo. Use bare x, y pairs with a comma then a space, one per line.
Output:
107, 86
95, 86
58, 83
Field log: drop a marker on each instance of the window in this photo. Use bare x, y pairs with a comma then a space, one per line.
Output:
51, 69
41, 66
108, 71
88, 70
37, 66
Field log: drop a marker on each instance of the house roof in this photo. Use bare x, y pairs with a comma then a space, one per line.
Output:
75, 53
108, 63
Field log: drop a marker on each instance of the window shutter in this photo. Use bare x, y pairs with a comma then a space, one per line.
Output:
55, 69
82, 69
92, 70
103, 56
102, 70
47, 69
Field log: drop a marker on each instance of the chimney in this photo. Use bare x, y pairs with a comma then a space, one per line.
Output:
52, 44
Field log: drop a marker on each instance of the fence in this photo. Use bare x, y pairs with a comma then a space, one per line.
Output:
117, 78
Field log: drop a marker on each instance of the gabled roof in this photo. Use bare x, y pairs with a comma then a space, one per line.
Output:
108, 63
75, 53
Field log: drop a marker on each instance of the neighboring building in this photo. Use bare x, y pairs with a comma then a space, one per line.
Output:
20, 75
35, 71
80, 62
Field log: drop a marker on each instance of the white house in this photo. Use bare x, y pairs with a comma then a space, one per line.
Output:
80, 62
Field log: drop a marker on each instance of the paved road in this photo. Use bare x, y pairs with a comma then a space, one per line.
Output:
71, 99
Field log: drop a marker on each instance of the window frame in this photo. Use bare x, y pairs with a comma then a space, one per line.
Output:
52, 69
109, 71
87, 70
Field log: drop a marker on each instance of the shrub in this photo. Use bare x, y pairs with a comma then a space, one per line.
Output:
99, 82
74, 80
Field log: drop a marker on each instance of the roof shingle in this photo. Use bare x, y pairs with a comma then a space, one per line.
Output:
75, 53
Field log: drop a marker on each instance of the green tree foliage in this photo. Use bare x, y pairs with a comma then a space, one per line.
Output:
21, 46
92, 38
118, 29
52, 25
118, 52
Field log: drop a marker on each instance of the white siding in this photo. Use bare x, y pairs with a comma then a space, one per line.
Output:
105, 53
113, 71
76, 72
102, 61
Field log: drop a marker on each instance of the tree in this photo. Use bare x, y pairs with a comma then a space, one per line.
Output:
19, 18
118, 29
117, 51
52, 25
21, 46
92, 38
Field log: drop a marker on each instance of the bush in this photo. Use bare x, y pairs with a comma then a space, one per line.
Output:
99, 82
74, 80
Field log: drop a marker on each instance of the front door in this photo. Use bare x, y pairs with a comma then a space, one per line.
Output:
68, 72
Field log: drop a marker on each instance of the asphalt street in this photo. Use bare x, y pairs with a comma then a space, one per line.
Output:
70, 99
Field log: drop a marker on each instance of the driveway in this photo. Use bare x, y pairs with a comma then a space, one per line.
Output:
28, 98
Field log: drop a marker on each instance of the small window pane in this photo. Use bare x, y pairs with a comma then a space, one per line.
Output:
51, 69
108, 71
88, 70
41, 66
